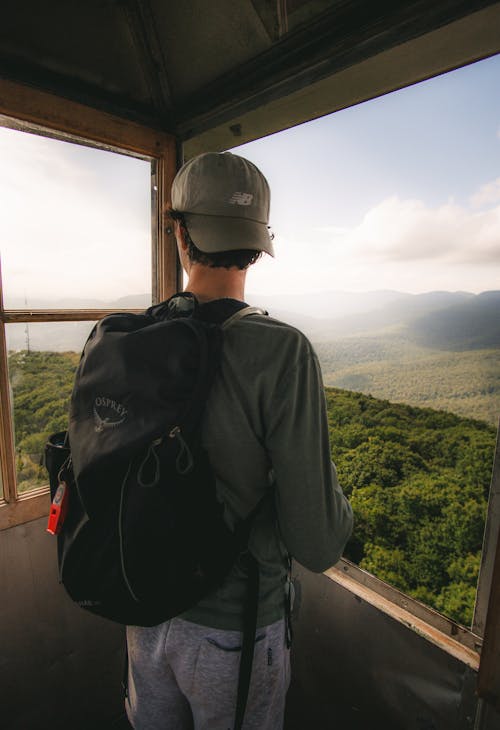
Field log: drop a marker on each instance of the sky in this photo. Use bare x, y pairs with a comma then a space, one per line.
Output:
75, 222
400, 192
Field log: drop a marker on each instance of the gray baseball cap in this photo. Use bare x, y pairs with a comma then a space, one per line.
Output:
225, 202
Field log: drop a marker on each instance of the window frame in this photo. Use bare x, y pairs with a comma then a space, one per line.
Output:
42, 113
32, 110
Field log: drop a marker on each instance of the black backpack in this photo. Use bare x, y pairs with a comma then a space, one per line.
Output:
141, 534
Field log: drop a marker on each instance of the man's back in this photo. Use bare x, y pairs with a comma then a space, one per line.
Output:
262, 431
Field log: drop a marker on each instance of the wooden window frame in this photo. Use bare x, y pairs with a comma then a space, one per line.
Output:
30, 110
34, 110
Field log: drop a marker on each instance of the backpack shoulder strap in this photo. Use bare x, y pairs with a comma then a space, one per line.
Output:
245, 312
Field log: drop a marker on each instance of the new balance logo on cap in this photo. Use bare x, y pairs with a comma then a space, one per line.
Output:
241, 199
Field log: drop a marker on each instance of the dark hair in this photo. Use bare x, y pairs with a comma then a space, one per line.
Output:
239, 259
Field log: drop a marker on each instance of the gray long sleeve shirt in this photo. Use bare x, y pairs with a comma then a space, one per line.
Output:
266, 433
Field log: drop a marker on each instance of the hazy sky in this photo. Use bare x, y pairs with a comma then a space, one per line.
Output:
74, 221
401, 192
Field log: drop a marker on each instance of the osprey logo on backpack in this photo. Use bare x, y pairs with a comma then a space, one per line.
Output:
108, 413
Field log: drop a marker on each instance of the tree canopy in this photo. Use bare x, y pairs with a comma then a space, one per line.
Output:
418, 479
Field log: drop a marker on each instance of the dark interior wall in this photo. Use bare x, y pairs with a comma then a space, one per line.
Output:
59, 666
490, 718
355, 667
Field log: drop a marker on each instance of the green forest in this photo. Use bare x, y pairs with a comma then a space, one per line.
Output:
41, 386
418, 481
417, 478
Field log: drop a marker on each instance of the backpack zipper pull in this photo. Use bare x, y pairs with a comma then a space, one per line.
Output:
150, 455
176, 433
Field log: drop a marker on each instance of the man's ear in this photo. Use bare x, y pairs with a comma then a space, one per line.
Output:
180, 235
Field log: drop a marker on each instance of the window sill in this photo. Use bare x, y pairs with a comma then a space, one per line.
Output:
441, 631
26, 508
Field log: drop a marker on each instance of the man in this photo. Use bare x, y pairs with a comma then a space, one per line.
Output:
266, 434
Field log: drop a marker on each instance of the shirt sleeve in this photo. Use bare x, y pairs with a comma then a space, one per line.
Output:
314, 516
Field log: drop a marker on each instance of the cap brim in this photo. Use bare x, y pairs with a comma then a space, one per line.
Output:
214, 234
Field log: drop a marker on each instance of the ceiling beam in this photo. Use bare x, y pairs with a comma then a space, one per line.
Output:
142, 26
464, 41
350, 32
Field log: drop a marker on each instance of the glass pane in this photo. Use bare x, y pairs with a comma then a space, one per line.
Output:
42, 360
387, 257
75, 225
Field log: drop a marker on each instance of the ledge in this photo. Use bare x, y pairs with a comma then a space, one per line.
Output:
441, 631
28, 507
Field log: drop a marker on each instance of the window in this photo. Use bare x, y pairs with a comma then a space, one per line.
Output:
81, 235
42, 359
386, 221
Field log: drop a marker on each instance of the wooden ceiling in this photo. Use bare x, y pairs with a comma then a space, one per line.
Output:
222, 72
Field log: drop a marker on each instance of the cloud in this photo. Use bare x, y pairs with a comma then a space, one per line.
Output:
401, 244
399, 230
333, 230
487, 194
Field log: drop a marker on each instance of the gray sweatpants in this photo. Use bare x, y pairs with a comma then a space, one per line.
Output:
183, 676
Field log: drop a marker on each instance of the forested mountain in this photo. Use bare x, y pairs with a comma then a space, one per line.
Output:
470, 325
417, 479
440, 319
455, 321
340, 312
466, 383
439, 349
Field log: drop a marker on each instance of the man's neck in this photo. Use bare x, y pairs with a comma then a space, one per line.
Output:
207, 283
